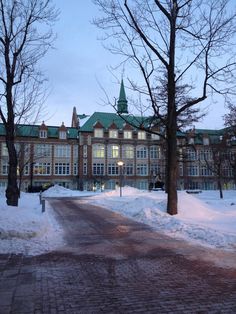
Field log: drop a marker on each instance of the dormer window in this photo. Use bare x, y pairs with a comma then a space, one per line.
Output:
206, 141
113, 133
62, 132
155, 136
128, 134
43, 133
98, 132
141, 135
62, 135
191, 141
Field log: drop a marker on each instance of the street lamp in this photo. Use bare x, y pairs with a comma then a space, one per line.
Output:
120, 164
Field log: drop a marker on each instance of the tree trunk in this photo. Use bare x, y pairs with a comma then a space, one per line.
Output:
172, 200
12, 191
220, 188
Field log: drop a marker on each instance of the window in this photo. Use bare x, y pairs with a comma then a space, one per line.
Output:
142, 169
62, 168
62, 135
113, 133
128, 134
42, 150
98, 169
62, 151
113, 151
85, 151
205, 154
4, 150
181, 170
5, 167
141, 152
75, 152
75, 169
26, 170
98, 151
191, 154
113, 169
205, 171
155, 169
129, 169
191, 141
155, 136
98, 132
227, 171
192, 170
141, 135
155, 152
43, 133
42, 168
206, 141
128, 151
85, 168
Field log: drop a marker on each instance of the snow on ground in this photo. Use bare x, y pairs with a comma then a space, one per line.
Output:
203, 218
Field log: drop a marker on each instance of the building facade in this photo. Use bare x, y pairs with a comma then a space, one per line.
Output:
105, 150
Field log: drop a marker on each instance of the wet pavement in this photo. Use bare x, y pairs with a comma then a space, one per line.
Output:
111, 264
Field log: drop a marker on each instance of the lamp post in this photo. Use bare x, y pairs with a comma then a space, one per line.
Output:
120, 164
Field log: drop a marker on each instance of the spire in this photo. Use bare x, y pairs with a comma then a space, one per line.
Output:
122, 101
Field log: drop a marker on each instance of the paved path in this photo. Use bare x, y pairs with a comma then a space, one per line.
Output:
111, 264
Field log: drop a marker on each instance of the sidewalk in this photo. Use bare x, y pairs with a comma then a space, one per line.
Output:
114, 265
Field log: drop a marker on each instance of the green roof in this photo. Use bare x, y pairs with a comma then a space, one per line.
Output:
33, 131
106, 119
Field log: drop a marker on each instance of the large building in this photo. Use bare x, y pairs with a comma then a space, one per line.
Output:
103, 149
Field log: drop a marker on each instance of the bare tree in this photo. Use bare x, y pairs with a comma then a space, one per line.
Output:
219, 162
25, 36
191, 40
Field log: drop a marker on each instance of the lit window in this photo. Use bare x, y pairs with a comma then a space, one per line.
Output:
98, 151
98, 132
141, 135
113, 133
42, 168
113, 151
128, 134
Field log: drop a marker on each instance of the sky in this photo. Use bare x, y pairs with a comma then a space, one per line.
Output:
203, 219
78, 65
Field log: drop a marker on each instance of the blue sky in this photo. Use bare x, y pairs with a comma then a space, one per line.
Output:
79, 62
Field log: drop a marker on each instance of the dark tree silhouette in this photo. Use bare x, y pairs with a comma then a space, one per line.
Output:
25, 36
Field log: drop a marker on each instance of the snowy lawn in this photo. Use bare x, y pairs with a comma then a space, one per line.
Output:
203, 218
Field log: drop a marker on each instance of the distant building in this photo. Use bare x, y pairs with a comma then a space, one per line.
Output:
85, 156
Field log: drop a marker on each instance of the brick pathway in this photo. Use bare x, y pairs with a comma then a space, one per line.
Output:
113, 265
